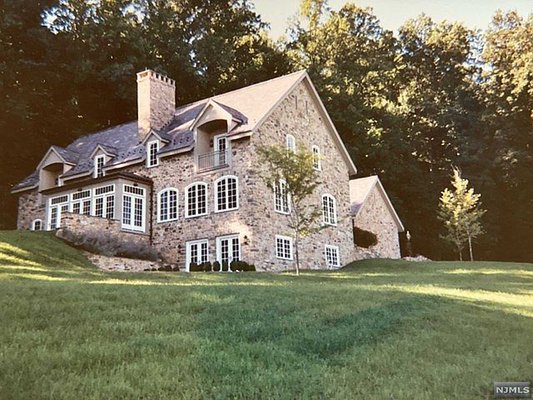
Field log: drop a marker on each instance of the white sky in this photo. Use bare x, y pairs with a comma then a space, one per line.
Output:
393, 13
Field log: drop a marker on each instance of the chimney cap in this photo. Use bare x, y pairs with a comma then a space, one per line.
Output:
148, 73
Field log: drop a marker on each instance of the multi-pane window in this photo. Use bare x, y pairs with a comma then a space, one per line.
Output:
168, 205
284, 247
99, 162
37, 225
281, 198
196, 200
81, 202
197, 252
329, 210
104, 201
226, 194
133, 208
316, 158
228, 249
331, 254
291, 143
57, 206
151, 154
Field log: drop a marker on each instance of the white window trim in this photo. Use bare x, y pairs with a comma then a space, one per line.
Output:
186, 204
131, 226
188, 251
319, 161
336, 248
58, 206
219, 246
288, 200
158, 205
281, 237
34, 222
148, 146
96, 158
334, 209
216, 193
287, 142
95, 196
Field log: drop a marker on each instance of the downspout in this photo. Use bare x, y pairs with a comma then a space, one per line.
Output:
151, 234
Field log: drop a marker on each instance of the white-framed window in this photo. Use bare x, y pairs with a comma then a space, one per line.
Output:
331, 255
291, 143
37, 225
152, 160
329, 209
133, 208
56, 206
228, 249
104, 202
197, 252
167, 205
99, 162
284, 247
281, 198
196, 199
317, 165
81, 202
226, 193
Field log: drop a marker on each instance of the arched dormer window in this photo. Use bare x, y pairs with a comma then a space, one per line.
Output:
167, 205
329, 210
291, 143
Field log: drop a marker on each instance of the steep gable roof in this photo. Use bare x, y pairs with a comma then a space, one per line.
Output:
249, 106
360, 190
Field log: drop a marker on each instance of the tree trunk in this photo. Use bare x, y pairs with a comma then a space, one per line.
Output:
460, 254
470, 248
297, 254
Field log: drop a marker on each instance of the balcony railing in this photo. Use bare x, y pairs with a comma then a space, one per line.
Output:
213, 160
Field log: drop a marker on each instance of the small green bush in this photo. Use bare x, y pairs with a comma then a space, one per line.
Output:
206, 266
225, 266
242, 266
364, 238
216, 266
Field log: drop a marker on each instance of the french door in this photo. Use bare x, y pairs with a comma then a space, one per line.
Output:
221, 147
228, 249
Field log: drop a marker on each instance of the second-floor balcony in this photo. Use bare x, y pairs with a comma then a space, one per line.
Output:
213, 160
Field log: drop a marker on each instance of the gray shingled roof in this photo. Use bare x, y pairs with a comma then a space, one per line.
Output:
247, 105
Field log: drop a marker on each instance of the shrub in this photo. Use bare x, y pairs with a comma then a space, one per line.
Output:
242, 266
364, 238
109, 245
216, 266
225, 266
193, 267
206, 266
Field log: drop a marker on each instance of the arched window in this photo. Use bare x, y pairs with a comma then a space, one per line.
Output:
316, 158
196, 199
37, 225
167, 205
226, 194
291, 143
329, 210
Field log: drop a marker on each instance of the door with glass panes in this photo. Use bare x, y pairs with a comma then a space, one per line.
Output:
228, 249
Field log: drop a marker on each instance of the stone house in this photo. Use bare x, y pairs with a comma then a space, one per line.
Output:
185, 180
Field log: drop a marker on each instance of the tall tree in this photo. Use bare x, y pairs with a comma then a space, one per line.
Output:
461, 212
292, 176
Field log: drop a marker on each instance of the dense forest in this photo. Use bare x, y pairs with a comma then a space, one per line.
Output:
409, 105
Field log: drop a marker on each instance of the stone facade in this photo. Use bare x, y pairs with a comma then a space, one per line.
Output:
31, 207
85, 224
375, 217
120, 264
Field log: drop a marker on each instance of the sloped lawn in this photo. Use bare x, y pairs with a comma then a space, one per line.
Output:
374, 330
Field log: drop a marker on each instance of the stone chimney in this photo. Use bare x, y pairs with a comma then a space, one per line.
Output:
156, 101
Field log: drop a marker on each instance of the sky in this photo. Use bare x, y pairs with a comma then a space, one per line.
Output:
393, 13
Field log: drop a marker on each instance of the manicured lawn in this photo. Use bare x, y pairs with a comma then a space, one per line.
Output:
374, 330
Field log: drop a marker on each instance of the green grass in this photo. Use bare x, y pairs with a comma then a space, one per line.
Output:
374, 330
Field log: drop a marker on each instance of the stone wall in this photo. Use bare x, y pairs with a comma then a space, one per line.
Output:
30, 208
121, 264
374, 216
85, 224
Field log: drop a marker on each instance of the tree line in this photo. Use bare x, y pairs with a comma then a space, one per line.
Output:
409, 105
